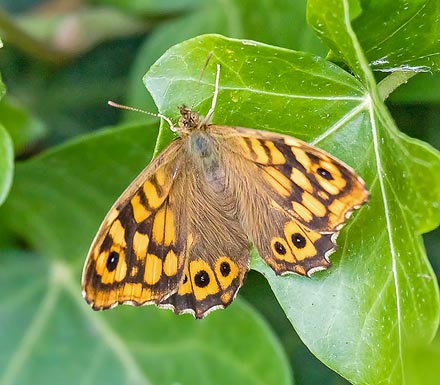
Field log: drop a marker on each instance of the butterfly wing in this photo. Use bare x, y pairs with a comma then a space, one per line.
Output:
316, 188
294, 197
137, 256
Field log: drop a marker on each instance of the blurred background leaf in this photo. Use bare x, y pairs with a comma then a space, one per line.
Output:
153, 8
421, 363
6, 163
54, 96
6, 155
23, 128
80, 30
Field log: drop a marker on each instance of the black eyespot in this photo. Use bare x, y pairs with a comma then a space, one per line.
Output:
201, 279
279, 248
324, 173
298, 240
185, 279
112, 261
225, 269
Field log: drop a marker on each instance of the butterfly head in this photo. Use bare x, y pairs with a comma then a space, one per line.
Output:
190, 120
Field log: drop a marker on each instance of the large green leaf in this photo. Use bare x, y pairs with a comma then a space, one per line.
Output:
360, 316
254, 86
50, 335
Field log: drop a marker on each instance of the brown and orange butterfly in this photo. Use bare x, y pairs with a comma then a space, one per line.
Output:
180, 235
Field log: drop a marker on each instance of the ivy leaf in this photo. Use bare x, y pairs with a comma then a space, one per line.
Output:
360, 316
258, 72
381, 28
384, 25
50, 335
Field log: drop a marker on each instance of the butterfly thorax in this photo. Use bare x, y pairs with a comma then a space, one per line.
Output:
201, 146
203, 153
203, 150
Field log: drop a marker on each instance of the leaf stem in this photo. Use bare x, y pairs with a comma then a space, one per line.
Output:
390, 83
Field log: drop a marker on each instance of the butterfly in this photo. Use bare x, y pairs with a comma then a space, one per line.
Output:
180, 235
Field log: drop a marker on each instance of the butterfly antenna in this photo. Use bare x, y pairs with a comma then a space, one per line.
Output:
208, 59
124, 107
214, 97
202, 73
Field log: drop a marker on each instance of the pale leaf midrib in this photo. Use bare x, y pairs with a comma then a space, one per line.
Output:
389, 231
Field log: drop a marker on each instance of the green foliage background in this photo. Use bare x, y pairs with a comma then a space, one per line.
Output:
370, 318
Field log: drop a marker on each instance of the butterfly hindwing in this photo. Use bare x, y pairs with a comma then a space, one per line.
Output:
208, 283
286, 244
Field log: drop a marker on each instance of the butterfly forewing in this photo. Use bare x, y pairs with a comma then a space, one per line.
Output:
137, 255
